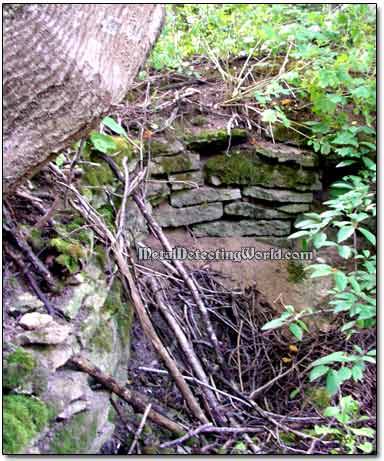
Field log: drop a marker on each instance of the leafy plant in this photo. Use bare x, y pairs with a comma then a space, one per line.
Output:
352, 439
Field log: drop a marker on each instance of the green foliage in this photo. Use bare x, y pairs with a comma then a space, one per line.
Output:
71, 253
351, 439
24, 417
18, 367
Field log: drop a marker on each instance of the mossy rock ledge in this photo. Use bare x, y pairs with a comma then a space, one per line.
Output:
210, 141
246, 168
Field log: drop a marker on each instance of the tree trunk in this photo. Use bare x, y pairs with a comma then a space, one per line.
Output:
64, 66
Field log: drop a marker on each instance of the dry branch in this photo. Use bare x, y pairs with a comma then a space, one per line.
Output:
138, 401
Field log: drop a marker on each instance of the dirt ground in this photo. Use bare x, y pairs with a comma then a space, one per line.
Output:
272, 278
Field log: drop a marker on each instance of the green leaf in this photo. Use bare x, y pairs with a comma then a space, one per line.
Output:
357, 373
114, 126
341, 280
339, 356
332, 383
331, 412
372, 353
366, 447
320, 270
269, 115
103, 142
293, 393
319, 240
344, 233
364, 431
317, 372
345, 138
345, 163
60, 159
299, 234
368, 235
344, 251
296, 330
369, 359
347, 326
343, 374
275, 323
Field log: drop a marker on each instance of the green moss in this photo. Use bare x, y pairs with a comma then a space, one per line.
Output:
36, 239
199, 120
108, 214
99, 173
176, 163
76, 436
246, 168
18, 368
296, 272
24, 418
318, 397
102, 338
284, 134
71, 253
99, 253
121, 311
215, 139
156, 147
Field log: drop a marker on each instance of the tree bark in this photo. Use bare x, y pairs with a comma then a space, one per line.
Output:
64, 66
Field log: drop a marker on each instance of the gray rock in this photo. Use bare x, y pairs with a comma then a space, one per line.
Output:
167, 216
249, 210
187, 180
35, 321
281, 242
162, 146
53, 333
71, 409
215, 181
203, 195
103, 434
295, 208
53, 357
278, 195
175, 164
73, 299
136, 225
157, 188
283, 153
65, 387
25, 302
243, 228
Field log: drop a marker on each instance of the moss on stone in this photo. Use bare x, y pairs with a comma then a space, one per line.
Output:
246, 168
76, 436
18, 368
318, 397
175, 164
199, 120
108, 214
24, 418
71, 252
102, 338
215, 139
296, 272
284, 134
121, 312
99, 173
